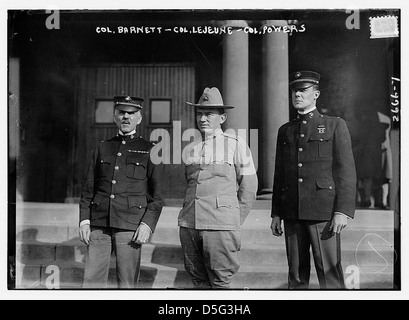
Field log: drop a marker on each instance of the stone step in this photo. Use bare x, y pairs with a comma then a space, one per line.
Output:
66, 214
170, 235
366, 254
173, 276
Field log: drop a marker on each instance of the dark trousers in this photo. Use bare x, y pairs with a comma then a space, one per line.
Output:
104, 241
300, 236
211, 257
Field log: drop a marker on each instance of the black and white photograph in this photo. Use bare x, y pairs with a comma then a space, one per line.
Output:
204, 150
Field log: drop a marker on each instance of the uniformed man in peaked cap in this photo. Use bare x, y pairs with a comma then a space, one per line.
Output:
314, 187
121, 200
221, 190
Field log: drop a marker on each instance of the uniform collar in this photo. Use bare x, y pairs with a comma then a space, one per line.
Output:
214, 135
130, 135
133, 132
307, 111
310, 114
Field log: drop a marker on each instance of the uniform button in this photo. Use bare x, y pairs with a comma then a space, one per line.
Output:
302, 135
304, 122
119, 154
300, 149
300, 165
139, 207
202, 168
113, 181
330, 187
197, 197
112, 196
116, 168
137, 163
123, 142
199, 182
300, 180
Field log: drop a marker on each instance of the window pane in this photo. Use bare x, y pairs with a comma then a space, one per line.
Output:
104, 111
160, 111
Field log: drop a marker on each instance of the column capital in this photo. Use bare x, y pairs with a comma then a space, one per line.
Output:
234, 23
276, 22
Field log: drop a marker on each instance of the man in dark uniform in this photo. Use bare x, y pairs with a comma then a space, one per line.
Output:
314, 187
222, 186
121, 200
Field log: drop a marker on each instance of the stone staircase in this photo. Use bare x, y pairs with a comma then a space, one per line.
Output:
48, 245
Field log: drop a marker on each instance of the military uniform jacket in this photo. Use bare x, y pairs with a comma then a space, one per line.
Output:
314, 170
122, 187
221, 183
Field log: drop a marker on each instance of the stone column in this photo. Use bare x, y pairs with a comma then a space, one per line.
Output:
236, 76
275, 96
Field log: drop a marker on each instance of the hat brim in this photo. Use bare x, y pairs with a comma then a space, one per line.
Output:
303, 84
210, 106
124, 104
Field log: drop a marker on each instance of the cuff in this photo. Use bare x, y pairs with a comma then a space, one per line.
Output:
84, 222
147, 226
343, 214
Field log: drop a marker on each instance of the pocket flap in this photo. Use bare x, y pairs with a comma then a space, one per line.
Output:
288, 140
137, 201
325, 184
135, 161
106, 160
227, 202
97, 199
320, 136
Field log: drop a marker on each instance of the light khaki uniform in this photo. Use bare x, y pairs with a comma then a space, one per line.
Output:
222, 186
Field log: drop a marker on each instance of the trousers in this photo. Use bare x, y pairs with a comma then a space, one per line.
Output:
211, 257
104, 241
300, 236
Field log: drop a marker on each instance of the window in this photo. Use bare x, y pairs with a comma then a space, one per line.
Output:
160, 111
104, 110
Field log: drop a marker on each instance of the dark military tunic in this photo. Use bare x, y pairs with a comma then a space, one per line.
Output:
314, 170
122, 187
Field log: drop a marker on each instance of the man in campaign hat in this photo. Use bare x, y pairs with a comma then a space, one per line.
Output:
221, 189
314, 187
121, 200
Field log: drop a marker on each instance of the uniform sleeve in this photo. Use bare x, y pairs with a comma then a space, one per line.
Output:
344, 171
246, 179
278, 177
88, 188
155, 200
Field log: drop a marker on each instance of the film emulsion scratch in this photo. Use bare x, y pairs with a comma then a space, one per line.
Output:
145, 129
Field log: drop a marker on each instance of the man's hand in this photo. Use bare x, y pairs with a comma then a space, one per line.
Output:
276, 226
85, 232
142, 234
339, 222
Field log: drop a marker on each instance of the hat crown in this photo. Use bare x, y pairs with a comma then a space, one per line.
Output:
128, 101
211, 96
304, 78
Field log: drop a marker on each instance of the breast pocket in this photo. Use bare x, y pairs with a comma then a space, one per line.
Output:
288, 147
320, 145
136, 167
105, 166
